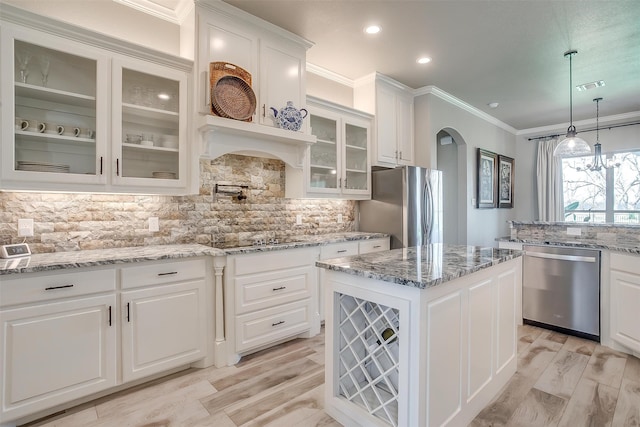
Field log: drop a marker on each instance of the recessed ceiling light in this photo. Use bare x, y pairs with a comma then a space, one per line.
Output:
423, 60
591, 85
372, 29
493, 104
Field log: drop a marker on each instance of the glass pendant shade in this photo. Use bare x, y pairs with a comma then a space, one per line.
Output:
572, 145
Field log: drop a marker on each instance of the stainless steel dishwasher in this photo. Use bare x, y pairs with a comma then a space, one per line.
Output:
561, 289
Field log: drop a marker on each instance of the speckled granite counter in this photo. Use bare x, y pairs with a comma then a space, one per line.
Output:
613, 237
92, 258
422, 266
305, 241
618, 247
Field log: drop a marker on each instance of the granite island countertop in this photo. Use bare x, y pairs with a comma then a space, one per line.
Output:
421, 266
96, 257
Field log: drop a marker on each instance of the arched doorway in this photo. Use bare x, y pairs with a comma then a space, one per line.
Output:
452, 161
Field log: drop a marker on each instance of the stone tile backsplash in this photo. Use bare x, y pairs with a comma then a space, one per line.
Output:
607, 234
68, 222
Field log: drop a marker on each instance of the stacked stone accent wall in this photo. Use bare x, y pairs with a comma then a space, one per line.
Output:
68, 222
594, 234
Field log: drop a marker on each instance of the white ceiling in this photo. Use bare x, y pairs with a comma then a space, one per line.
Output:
483, 51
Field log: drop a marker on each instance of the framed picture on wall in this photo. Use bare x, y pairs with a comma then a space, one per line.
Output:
486, 183
505, 181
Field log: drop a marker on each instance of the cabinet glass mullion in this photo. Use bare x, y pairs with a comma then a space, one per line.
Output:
55, 111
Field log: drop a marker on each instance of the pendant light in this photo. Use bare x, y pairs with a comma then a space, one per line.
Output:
571, 145
598, 164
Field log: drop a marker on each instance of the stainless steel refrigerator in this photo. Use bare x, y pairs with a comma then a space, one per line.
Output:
406, 202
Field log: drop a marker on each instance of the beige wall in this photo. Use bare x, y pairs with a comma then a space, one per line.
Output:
433, 114
65, 222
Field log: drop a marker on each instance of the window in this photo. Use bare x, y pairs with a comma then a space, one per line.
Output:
608, 195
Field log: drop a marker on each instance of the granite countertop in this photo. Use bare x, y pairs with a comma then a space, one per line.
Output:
618, 247
422, 266
95, 257
304, 241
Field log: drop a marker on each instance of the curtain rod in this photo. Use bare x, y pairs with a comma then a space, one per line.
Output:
582, 131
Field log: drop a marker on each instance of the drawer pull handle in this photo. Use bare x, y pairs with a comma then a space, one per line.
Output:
376, 246
171, 273
128, 320
280, 288
278, 323
109, 315
342, 251
50, 288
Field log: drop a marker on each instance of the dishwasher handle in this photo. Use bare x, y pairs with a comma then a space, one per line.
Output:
575, 258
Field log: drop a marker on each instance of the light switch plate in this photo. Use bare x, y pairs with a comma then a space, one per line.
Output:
574, 231
154, 225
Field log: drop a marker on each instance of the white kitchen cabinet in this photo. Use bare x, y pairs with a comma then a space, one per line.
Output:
270, 297
392, 105
76, 111
337, 165
275, 58
58, 337
625, 300
337, 250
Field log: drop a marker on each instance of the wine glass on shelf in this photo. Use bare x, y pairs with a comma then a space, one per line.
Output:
23, 57
45, 62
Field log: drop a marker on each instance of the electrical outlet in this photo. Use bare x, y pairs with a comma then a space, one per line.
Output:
154, 225
25, 227
298, 219
574, 231
339, 218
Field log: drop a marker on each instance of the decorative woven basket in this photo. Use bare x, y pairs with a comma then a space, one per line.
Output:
218, 70
233, 98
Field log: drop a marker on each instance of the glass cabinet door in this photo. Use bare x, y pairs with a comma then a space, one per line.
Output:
323, 159
150, 128
56, 112
356, 159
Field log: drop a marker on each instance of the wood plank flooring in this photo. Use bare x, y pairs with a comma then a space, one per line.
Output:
561, 381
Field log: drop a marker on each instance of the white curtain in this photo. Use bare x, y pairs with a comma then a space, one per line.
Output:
549, 180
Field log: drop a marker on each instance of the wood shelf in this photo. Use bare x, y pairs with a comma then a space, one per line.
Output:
54, 95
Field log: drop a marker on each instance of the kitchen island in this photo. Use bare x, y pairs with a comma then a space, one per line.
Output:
421, 336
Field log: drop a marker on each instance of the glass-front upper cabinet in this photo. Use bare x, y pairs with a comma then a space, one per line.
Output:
323, 157
54, 112
356, 156
339, 164
149, 128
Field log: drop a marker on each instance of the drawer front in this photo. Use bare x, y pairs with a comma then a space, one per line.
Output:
163, 272
624, 262
375, 245
276, 260
337, 250
259, 291
270, 325
34, 287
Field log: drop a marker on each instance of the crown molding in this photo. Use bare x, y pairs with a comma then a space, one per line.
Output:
329, 75
604, 121
433, 90
175, 15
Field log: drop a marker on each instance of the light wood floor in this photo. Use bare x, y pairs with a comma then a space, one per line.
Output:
561, 381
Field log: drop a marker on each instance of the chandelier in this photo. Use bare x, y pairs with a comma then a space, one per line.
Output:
598, 164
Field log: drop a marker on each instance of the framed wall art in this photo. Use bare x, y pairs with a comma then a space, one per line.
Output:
487, 180
506, 173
